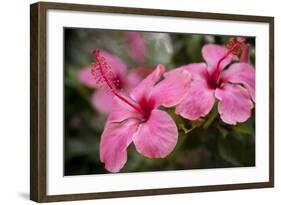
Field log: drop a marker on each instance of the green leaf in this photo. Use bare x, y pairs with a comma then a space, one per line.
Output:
228, 150
244, 128
236, 152
224, 132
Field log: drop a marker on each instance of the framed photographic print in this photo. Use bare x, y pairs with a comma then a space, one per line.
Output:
134, 102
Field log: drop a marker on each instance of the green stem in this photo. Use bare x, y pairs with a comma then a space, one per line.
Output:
211, 118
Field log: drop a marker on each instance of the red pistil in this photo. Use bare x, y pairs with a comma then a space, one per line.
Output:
103, 74
233, 49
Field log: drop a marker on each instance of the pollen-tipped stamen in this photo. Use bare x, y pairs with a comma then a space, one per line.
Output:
236, 46
104, 69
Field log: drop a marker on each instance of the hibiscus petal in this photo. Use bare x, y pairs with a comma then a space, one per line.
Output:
212, 53
102, 100
242, 73
144, 87
132, 80
234, 103
135, 76
199, 71
171, 90
198, 101
157, 137
85, 77
121, 111
115, 139
245, 56
117, 65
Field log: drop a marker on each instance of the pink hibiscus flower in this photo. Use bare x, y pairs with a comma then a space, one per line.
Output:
125, 80
138, 118
233, 86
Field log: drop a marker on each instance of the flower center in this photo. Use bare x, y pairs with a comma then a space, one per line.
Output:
103, 74
233, 48
147, 106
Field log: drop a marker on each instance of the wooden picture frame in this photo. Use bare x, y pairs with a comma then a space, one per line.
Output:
39, 95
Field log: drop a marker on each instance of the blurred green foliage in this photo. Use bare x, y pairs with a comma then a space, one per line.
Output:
205, 143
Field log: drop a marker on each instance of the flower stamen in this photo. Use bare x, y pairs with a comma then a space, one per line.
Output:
233, 48
103, 74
